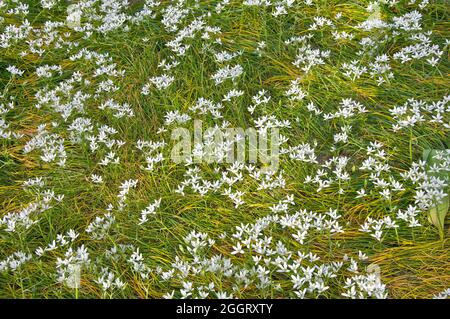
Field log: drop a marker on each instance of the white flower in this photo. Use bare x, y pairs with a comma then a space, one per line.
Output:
161, 82
227, 72
14, 70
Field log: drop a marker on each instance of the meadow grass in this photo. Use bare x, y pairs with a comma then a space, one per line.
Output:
414, 262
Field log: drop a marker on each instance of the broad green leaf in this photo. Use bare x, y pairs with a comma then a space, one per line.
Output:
426, 154
437, 213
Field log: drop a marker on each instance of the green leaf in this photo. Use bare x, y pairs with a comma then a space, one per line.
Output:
426, 154
437, 213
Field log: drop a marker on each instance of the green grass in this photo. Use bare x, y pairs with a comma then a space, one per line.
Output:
415, 263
